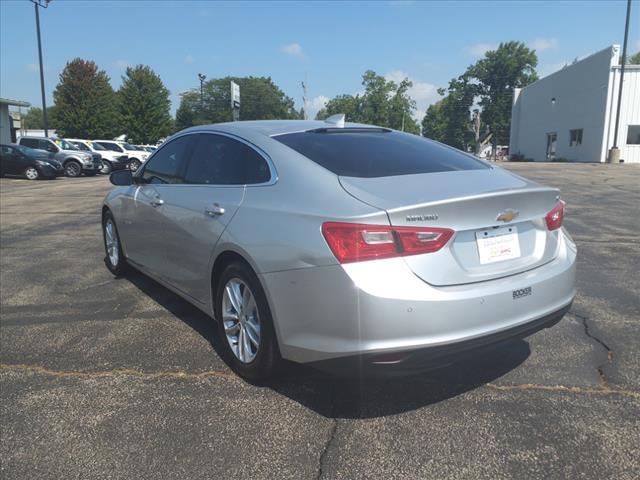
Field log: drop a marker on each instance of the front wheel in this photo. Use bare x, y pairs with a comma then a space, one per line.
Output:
72, 169
134, 165
32, 173
114, 259
245, 323
106, 167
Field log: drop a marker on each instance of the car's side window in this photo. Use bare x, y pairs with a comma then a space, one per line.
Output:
167, 164
256, 167
220, 160
7, 150
48, 146
29, 142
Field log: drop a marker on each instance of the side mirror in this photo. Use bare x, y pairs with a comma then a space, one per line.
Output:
121, 177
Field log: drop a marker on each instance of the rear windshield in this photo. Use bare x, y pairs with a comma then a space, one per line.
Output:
377, 153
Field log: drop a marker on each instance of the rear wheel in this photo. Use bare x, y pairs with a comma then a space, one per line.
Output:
114, 259
72, 169
134, 164
106, 167
32, 173
245, 323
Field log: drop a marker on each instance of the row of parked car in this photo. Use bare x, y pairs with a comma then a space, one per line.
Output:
41, 157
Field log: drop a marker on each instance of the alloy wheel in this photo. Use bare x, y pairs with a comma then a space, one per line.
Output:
32, 173
111, 241
241, 320
72, 169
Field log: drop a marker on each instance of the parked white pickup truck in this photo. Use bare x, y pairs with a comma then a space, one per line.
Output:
136, 157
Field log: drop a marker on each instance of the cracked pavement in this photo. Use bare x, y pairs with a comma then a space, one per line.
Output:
120, 378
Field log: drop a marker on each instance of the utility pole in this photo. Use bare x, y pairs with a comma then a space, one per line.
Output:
202, 78
45, 119
305, 109
614, 153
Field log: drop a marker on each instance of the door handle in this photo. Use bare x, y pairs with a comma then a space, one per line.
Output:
156, 202
214, 210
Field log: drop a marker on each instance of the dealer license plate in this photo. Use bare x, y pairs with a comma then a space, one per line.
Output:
498, 244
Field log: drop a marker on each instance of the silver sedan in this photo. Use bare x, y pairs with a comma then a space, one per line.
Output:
342, 245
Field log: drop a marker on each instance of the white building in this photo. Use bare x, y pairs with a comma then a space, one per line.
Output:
6, 123
571, 113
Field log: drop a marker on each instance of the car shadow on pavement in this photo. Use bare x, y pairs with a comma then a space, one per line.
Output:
354, 397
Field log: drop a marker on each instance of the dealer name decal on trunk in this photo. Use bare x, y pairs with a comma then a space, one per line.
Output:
522, 292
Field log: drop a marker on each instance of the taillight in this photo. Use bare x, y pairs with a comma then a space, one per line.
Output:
355, 242
555, 216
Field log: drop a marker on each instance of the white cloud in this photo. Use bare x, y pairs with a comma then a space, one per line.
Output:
189, 59
541, 44
422, 92
122, 64
293, 49
479, 49
316, 104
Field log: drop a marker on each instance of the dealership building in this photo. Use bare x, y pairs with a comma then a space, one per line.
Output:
571, 113
7, 125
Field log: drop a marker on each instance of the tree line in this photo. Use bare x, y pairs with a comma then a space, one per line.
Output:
475, 108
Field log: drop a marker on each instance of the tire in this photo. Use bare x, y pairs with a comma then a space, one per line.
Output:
134, 165
32, 173
260, 358
107, 168
72, 169
114, 257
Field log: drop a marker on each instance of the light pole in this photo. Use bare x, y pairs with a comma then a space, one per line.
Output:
614, 153
202, 78
43, 4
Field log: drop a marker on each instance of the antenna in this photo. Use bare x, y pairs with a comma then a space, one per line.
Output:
305, 85
336, 120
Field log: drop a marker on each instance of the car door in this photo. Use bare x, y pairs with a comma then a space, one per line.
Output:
8, 160
198, 211
143, 228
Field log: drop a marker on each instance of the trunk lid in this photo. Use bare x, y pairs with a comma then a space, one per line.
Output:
470, 203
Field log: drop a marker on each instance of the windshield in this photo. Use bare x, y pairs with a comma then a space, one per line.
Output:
29, 151
97, 146
62, 143
114, 147
375, 153
80, 146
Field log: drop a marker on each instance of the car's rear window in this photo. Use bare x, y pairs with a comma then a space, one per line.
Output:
377, 153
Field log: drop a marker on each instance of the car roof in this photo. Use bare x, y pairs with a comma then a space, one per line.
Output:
271, 127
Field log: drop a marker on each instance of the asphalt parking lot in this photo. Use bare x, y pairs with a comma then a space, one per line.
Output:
119, 378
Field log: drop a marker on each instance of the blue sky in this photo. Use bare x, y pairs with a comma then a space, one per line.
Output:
332, 43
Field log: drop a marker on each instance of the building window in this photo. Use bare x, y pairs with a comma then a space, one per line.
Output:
575, 137
633, 135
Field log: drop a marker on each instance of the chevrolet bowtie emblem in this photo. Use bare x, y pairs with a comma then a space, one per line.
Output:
507, 215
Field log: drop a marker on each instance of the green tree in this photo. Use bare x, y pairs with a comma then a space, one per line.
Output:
512, 65
348, 104
634, 59
144, 105
449, 121
86, 105
33, 120
261, 99
383, 102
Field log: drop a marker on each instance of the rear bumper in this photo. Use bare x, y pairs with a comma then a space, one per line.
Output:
381, 307
415, 361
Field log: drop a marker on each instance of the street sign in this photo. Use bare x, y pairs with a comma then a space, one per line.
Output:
235, 95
